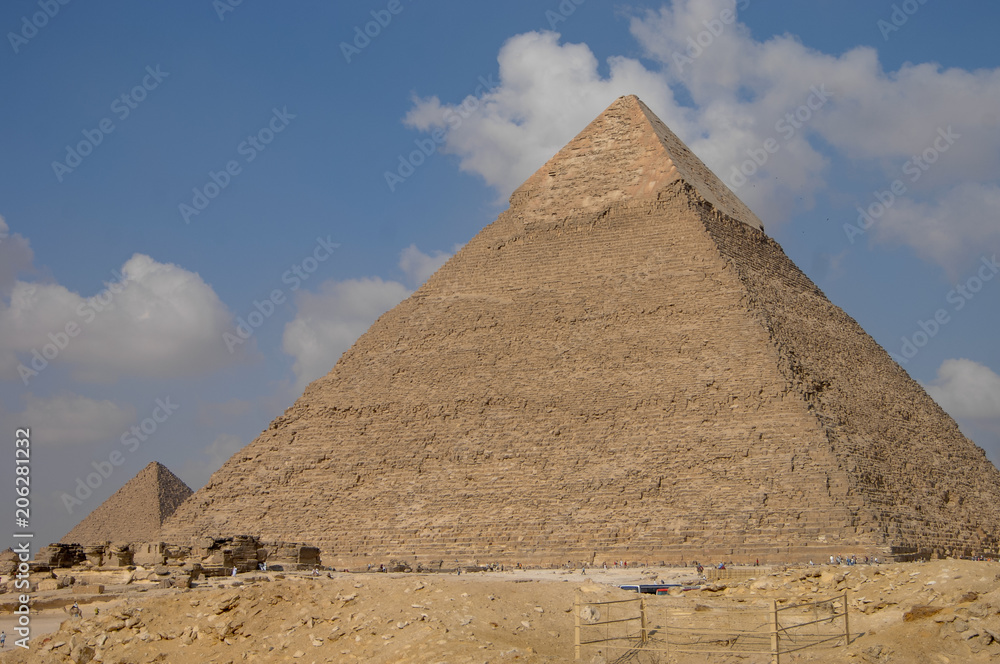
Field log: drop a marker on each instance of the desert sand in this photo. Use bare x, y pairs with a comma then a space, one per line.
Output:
943, 612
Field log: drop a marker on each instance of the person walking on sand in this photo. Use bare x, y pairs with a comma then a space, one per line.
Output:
3, 639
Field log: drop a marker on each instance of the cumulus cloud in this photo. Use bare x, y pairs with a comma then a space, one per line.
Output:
15, 257
874, 116
418, 266
738, 92
952, 230
157, 320
71, 419
549, 91
966, 388
329, 321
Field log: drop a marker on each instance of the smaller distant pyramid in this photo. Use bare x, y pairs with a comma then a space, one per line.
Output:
136, 511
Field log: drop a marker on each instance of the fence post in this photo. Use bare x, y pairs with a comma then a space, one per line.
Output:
642, 618
775, 642
576, 638
847, 625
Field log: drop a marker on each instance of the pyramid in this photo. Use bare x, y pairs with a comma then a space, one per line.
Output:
622, 366
135, 512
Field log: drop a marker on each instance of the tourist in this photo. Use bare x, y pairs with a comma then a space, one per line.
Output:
3, 639
234, 570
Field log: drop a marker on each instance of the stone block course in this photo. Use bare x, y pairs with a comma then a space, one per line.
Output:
622, 365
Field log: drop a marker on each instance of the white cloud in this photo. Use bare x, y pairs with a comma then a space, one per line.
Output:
739, 90
952, 230
15, 257
71, 419
161, 321
549, 92
874, 114
967, 389
419, 266
328, 322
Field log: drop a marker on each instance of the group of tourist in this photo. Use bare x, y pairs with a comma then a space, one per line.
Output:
850, 560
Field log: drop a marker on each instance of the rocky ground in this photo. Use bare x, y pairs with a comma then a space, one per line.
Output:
941, 612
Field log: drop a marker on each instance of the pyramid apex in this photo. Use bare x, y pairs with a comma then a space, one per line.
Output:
136, 511
626, 153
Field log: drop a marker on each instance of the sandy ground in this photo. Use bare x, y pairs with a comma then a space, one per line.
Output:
943, 612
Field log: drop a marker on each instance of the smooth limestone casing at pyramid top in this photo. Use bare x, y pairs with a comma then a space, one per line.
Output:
622, 365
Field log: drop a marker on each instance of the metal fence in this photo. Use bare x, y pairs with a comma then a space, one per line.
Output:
643, 628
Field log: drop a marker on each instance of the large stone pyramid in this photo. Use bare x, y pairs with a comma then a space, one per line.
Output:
135, 512
622, 365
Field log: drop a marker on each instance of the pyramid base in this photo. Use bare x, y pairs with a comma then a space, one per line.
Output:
450, 559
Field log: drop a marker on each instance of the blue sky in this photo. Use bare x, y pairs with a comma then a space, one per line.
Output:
207, 171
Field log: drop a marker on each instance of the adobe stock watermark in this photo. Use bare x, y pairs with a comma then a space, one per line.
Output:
122, 107
249, 148
223, 7
60, 340
900, 14
562, 13
958, 297
293, 277
914, 168
426, 147
787, 127
130, 440
714, 28
31, 25
363, 36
